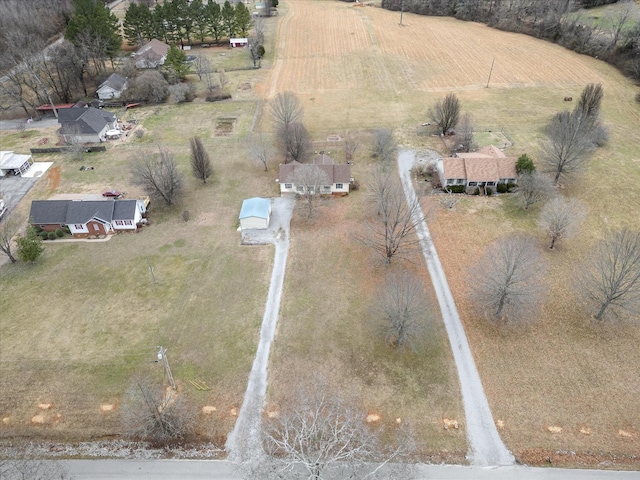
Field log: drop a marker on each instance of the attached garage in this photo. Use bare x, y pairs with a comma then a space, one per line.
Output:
255, 214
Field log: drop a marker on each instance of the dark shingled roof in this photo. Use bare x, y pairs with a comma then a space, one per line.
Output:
83, 211
115, 81
48, 212
335, 173
86, 120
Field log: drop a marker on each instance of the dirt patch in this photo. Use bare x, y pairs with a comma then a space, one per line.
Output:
53, 178
225, 126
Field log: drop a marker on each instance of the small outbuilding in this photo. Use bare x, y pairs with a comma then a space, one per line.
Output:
238, 42
112, 87
14, 163
255, 214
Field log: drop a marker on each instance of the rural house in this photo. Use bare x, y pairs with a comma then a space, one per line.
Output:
255, 213
485, 168
151, 55
85, 124
88, 218
112, 87
14, 163
339, 177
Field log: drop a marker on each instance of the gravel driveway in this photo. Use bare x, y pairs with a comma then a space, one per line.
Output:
244, 442
486, 447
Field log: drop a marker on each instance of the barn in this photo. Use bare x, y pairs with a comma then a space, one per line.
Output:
255, 214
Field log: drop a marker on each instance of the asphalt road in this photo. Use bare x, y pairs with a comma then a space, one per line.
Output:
223, 470
485, 445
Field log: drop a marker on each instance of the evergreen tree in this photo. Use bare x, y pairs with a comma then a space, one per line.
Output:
176, 62
30, 245
94, 18
137, 24
229, 19
198, 14
159, 28
243, 19
524, 165
213, 17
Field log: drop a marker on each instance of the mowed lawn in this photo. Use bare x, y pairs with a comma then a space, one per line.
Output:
83, 319
86, 317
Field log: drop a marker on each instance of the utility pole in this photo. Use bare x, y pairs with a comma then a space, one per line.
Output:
401, 10
490, 72
162, 356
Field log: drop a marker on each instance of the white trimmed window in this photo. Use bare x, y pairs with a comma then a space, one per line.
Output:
288, 186
473, 184
79, 227
339, 186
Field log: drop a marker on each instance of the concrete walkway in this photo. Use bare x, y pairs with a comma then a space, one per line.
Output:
486, 447
245, 441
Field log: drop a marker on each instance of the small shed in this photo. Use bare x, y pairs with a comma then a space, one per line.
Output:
14, 163
238, 42
255, 213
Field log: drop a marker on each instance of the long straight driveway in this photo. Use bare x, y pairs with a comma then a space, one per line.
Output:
486, 447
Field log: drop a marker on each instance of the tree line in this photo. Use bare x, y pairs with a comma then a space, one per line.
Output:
177, 21
615, 39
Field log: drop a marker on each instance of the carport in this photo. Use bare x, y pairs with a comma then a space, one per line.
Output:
14, 163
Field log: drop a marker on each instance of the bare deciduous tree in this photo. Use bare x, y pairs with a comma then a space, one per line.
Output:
286, 109
152, 412
158, 176
8, 228
626, 13
403, 307
506, 280
311, 178
202, 66
533, 187
445, 113
351, 145
260, 150
295, 141
390, 227
560, 217
200, 161
573, 136
610, 281
384, 145
464, 134
320, 434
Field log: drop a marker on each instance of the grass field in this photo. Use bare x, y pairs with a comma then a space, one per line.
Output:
94, 318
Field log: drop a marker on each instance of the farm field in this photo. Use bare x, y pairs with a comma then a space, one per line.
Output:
82, 320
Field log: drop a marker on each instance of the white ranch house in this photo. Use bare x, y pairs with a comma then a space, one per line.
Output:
112, 87
339, 176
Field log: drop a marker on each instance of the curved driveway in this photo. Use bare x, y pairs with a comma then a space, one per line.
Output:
486, 447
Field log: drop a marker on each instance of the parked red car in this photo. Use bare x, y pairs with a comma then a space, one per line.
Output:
112, 194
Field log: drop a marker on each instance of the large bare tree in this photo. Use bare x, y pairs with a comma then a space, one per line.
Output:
8, 229
286, 109
464, 134
200, 161
610, 280
260, 150
390, 227
155, 413
384, 145
321, 434
158, 176
445, 113
560, 218
403, 308
506, 280
309, 179
533, 187
295, 141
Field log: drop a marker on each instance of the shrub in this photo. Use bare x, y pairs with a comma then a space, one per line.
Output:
456, 188
502, 188
37, 229
148, 87
218, 96
476, 191
59, 233
139, 133
52, 235
489, 191
524, 164
355, 185
43, 235
638, 97
511, 186
183, 92
185, 215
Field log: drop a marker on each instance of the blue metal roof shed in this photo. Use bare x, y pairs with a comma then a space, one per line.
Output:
255, 213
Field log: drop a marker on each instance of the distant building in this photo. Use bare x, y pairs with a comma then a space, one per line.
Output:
85, 124
151, 55
255, 213
485, 168
112, 87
